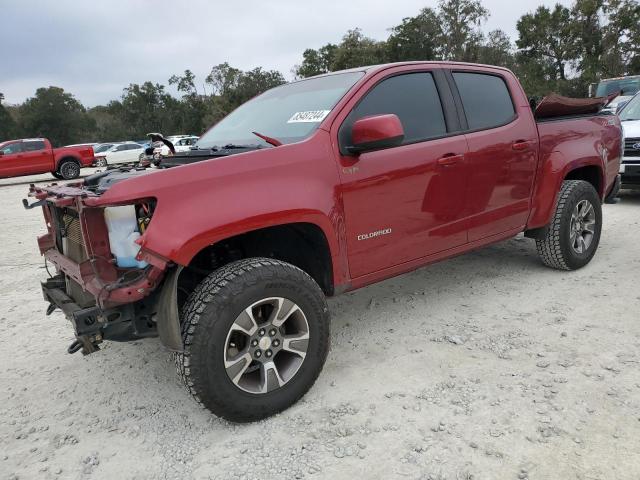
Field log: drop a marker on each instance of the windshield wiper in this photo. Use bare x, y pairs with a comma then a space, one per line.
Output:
270, 140
630, 119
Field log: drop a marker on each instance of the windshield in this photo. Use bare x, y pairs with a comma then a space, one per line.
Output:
628, 86
289, 113
631, 111
102, 148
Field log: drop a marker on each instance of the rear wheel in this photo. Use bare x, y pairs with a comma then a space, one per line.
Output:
69, 169
256, 335
574, 233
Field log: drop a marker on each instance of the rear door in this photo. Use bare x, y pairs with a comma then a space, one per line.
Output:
503, 151
405, 202
11, 160
37, 157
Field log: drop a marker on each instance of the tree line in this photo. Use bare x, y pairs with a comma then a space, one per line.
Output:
561, 49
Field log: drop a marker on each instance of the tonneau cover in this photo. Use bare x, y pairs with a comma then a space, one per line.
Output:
555, 105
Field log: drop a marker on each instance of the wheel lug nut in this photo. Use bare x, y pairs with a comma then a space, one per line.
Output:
254, 343
272, 332
261, 332
268, 353
276, 343
258, 353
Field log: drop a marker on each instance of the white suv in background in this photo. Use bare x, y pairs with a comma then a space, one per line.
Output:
180, 142
630, 166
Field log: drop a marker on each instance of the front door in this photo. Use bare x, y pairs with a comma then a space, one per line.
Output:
11, 160
405, 202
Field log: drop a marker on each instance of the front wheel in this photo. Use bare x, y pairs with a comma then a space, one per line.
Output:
256, 335
574, 233
101, 162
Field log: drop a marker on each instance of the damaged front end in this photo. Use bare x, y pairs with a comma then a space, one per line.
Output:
106, 283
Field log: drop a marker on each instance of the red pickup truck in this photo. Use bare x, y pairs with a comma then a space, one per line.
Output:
309, 190
31, 156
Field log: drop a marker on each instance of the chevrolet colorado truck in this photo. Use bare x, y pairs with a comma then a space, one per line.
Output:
31, 156
310, 190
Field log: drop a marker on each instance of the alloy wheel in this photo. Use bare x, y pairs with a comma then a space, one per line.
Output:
582, 226
266, 345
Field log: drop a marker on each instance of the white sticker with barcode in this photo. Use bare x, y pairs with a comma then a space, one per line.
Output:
311, 116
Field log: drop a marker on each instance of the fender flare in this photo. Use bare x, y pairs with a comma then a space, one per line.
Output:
168, 317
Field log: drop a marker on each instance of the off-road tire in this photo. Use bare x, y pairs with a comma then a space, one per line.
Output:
69, 169
555, 249
210, 311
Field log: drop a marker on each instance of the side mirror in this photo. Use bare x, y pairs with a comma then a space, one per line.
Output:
375, 132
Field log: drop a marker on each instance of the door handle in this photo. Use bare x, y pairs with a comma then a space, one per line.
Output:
450, 159
521, 145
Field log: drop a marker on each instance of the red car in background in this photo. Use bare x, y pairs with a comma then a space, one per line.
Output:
31, 156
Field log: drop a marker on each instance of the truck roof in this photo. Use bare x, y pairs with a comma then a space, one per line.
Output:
384, 66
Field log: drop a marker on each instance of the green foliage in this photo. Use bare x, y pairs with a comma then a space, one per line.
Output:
416, 38
558, 49
460, 21
232, 87
548, 35
316, 62
7, 124
57, 115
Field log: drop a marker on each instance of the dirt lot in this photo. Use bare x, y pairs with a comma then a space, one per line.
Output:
488, 366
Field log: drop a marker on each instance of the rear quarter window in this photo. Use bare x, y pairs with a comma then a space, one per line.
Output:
485, 98
33, 146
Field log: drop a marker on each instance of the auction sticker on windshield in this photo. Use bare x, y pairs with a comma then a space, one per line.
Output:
311, 116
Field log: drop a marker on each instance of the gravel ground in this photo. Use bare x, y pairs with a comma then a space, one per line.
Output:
487, 366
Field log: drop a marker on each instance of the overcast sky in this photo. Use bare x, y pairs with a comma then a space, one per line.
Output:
95, 48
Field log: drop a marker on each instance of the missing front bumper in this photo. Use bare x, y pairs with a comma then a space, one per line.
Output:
93, 324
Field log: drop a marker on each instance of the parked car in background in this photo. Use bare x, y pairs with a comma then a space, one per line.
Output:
630, 118
127, 152
30, 156
101, 148
378, 171
626, 86
181, 144
615, 105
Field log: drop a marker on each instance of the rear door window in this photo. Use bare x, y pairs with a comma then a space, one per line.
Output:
485, 98
413, 97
